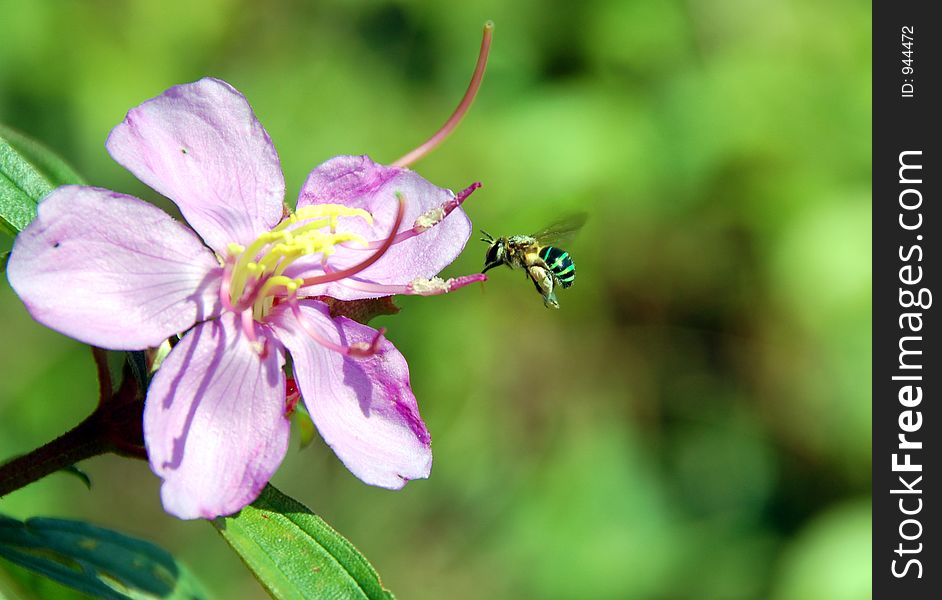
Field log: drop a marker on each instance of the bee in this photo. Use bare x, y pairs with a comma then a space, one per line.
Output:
545, 263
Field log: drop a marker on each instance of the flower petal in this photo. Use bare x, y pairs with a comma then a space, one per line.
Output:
112, 270
200, 145
358, 182
214, 421
363, 408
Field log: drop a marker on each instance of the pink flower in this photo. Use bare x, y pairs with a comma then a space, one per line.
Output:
113, 271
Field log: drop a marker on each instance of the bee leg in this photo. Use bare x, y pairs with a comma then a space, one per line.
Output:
543, 281
539, 290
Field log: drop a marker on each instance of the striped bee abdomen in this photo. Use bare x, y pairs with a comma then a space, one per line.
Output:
560, 263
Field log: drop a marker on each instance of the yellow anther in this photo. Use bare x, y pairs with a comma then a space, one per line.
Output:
300, 234
332, 212
279, 281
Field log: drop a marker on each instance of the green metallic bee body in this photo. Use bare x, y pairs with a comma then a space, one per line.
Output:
560, 263
546, 264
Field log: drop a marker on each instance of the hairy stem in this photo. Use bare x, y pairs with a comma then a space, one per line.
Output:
85, 441
114, 427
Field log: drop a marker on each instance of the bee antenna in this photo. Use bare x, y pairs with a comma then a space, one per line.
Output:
488, 238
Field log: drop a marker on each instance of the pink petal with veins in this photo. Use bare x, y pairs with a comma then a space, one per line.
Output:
112, 271
214, 422
200, 145
364, 408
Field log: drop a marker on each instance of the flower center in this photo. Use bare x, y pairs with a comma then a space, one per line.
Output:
255, 275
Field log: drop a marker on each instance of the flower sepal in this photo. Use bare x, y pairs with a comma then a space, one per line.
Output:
361, 311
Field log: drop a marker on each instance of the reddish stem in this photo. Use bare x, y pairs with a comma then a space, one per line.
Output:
115, 426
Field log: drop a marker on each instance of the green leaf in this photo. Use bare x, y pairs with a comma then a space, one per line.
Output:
57, 171
99, 562
78, 473
28, 171
295, 554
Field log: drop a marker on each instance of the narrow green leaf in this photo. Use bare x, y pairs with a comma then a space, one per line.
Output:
78, 473
295, 554
28, 171
17, 209
99, 562
54, 168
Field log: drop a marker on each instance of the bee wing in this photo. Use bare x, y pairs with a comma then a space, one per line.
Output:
562, 231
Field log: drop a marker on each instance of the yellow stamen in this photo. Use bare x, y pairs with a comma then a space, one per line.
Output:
267, 258
332, 211
289, 284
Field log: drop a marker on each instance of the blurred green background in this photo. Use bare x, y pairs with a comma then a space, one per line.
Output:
693, 423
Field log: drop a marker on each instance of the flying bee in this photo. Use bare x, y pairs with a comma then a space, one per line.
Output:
545, 263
